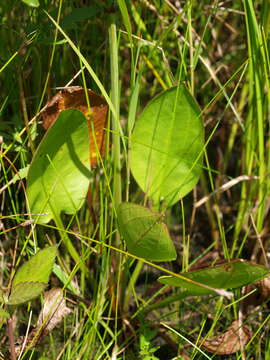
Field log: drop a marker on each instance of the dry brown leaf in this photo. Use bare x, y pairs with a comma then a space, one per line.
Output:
264, 285
229, 342
256, 298
74, 98
53, 311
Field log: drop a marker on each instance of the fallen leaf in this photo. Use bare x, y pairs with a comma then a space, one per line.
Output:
53, 311
229, 342
74, 98
264, 285
258, 293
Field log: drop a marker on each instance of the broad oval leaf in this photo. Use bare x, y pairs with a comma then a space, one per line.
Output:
58, 177
25, 291
37, 269
166, 146
229, 275
144, 232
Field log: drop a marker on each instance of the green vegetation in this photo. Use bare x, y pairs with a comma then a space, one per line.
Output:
161, 228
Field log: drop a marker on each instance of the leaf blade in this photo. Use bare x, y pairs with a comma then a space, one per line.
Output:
58, 177
32, 3
145, 235
25, 291
37, 269
166, 146
234, 274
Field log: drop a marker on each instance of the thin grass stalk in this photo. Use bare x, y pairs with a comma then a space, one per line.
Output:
254, 144
117, 186
191, 48
117, 183
51, 58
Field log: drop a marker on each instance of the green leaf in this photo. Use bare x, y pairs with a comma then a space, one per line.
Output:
2, 296
25, 291
79, 15
144, 233
65, 279
32, 3
166, 146
22, 173
58, 177
3, 315
229, 275
37, 269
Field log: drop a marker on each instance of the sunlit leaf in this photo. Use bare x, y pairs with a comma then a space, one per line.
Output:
37, 269
32, 277
58, 177
25, 291
73, 97
3, 315
32, 3
229, 275
145, 233
22, 174
166, 146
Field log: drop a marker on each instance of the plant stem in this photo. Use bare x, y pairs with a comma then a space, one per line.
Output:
10, 333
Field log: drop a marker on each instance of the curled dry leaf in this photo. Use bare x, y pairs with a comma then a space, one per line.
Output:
53, 311
264, 286
74, 98
229, 342
259, 292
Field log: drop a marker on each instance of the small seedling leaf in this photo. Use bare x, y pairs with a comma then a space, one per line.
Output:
37, 269
25, 291
144, 232
230, 275
58, 177
167, 146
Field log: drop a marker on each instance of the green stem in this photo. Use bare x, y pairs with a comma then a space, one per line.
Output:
117, 193
68, 244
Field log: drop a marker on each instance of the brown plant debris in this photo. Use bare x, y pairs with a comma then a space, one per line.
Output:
53, 311
74, 97
229, 342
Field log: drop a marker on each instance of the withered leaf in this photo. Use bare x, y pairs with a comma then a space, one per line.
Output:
53, 311
258, 293
74, 98
229, 342
264, 285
